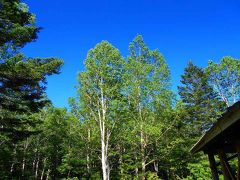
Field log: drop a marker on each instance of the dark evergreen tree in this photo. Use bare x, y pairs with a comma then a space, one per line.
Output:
22, 92
22, 84
22, 80
17, 24
201, 102
199, 110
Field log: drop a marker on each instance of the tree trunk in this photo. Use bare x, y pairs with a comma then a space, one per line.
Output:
69, 172
37, 165
48, 171
25, 146
142, 143
155, 163
88, 152
143, 154
104, 162
136, 161
43, 171
104, 136
105, 168
14, 158
33, 164
23, 165
121, 159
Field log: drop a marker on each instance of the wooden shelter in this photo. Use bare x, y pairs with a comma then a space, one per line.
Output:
223, 140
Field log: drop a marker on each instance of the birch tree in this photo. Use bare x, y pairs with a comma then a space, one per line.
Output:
149, 96
100, 87
225, 79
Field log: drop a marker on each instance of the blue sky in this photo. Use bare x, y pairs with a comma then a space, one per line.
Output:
180, 29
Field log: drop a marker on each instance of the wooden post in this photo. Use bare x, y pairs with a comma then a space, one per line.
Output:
227, 172
238, 172
213, 166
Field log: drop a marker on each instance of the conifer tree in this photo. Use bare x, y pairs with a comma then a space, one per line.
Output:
17, 24
202, 103
22, 82
199, 110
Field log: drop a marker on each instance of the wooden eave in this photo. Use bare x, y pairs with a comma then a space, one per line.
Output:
229, 118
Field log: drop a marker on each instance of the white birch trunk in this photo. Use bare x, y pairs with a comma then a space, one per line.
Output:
43, 171
48, 172
24, 157
143, 153
104, 137
136, 169
14, 158
156, 166
88, 151
104, 156
37, 165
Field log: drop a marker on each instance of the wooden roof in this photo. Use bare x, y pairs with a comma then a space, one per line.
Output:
224, 134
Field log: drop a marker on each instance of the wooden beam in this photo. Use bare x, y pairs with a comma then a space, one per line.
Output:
213, 166
229, 158
227, 172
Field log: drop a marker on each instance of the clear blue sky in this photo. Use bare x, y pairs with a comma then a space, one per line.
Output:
181, 29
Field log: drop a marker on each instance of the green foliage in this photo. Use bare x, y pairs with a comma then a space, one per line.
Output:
199, 169
22, 92
151, 139
22, 86
56, 151
225, 79
60, 132
22, 80
100, 97
17, 24
124, 115
199, 109
147, 90
202, 103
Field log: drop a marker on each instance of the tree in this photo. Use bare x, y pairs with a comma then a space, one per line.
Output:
100, 87
202, 103
22, 92
147, 89
22, 82
89, 137
224, 78
55, 151
17, 24
200, 109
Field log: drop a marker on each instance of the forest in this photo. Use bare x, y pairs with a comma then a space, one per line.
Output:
126, 121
